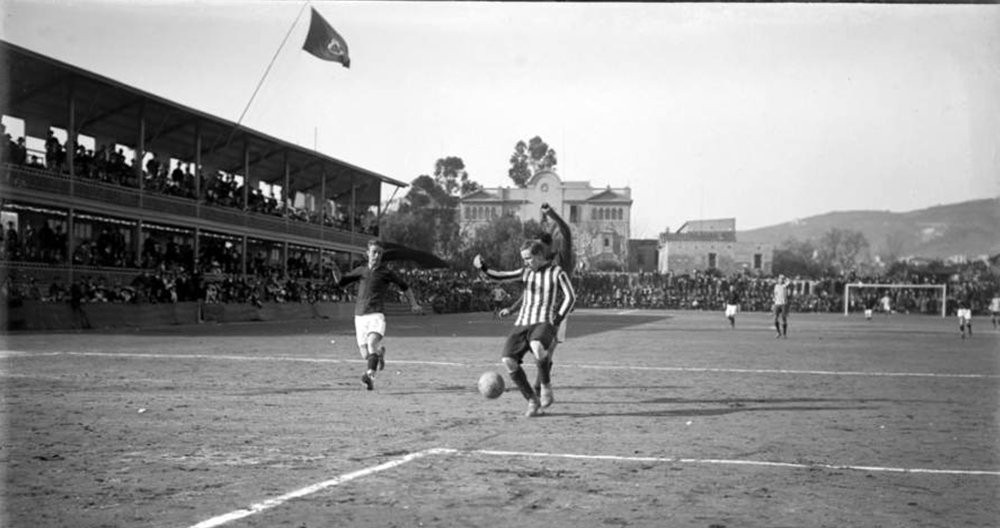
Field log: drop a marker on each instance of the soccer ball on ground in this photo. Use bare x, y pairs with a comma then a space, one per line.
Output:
491, 385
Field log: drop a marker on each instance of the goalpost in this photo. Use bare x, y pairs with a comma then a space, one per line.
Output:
943, 288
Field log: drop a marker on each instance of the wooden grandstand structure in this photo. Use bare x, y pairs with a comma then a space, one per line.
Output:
47, 94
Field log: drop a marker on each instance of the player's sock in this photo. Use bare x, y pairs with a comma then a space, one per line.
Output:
544, 372
521, 380
372, 363
784, 330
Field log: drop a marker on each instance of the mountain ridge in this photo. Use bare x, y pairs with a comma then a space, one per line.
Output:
970, 229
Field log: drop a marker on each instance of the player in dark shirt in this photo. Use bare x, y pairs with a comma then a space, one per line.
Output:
732, 305
369, 308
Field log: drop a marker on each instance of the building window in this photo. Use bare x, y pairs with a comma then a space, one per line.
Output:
607, 242
757, 261
711, 260
574, 214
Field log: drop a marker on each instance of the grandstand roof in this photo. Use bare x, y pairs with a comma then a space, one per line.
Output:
37, 90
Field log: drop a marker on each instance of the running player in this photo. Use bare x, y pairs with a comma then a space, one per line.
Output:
369, 308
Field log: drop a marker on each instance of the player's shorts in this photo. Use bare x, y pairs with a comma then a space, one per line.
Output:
373, 323
868, 313
519, 341
780, 310
731, 310
965, 313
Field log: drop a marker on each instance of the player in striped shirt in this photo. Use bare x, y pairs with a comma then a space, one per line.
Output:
561, 253
537, 320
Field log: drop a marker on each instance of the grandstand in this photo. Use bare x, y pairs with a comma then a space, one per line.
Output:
107, 181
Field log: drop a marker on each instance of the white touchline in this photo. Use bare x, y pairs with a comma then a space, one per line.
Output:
308, 490
784, 371
228, 357
739, 463
19, 354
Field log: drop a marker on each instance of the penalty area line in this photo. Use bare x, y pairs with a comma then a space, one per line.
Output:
791, 465
319, 486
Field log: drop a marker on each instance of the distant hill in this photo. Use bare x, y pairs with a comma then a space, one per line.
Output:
968, 228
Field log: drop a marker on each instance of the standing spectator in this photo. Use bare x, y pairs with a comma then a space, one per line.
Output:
76, 294
13, 242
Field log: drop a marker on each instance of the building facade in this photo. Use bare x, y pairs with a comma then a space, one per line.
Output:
598, 218
702, 245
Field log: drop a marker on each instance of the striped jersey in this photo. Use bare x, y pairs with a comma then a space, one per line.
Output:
542, 288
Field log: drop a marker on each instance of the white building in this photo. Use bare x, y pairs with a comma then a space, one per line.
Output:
598, 218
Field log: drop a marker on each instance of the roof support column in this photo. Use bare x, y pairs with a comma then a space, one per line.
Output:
285, 190
140, 151
197, 168
354, 204
246, 175
71, 134
322, 201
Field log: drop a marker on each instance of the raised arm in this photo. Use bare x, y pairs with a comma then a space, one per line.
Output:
568, 298
566, 255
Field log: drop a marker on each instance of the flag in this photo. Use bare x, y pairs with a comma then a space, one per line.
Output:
324, 42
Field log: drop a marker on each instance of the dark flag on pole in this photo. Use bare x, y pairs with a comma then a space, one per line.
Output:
324, 42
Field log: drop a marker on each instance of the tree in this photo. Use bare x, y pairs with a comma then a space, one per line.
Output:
796, 258
427, 217
842, 249
499, 242
529, 159
450, 175
893, 248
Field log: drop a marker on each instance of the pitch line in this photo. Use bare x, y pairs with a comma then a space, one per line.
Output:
784, 371
319, 486
716, 461
230, 357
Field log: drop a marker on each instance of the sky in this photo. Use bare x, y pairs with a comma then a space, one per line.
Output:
765, 113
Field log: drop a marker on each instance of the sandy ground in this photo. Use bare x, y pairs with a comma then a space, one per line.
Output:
661, 419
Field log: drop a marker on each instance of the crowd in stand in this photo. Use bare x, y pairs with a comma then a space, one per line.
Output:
447, 291
169, 273
109, 165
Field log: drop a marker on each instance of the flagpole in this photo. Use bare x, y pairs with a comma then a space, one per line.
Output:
266, 71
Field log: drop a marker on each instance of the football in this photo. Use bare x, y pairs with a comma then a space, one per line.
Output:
491, 385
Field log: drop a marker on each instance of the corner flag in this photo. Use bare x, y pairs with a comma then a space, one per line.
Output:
324, 42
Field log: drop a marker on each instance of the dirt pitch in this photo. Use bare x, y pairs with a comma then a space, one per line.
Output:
661, 419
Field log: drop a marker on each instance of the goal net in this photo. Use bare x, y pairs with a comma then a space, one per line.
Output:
899, 298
